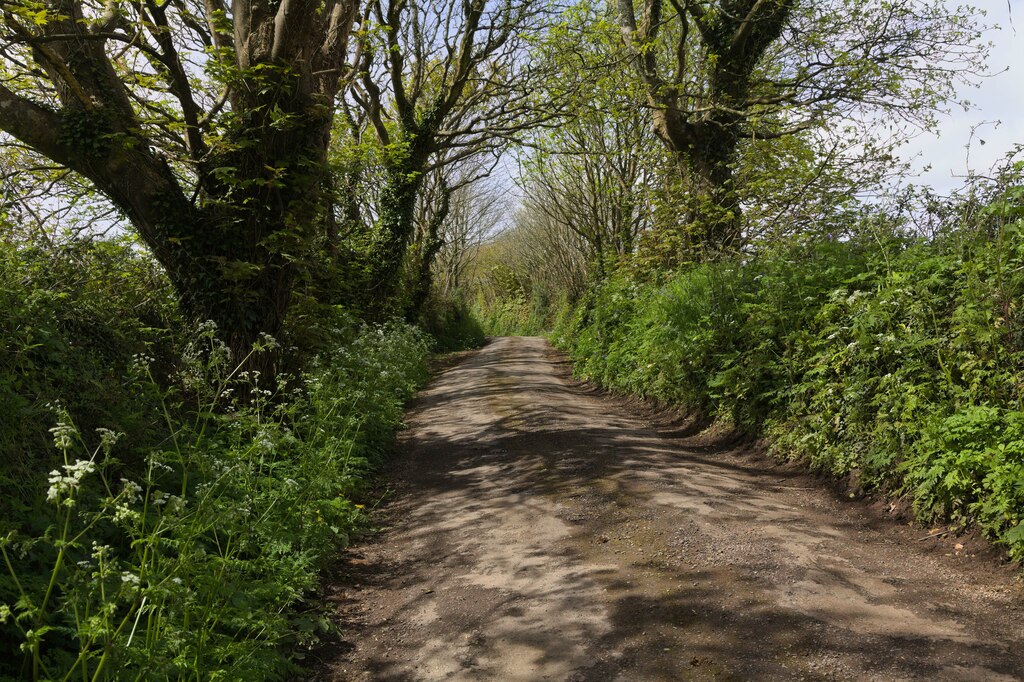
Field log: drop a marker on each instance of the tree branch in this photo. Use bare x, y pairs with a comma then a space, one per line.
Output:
36, 126
740, 37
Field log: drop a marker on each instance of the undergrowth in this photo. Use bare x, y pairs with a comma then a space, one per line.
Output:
895, 359
452, 324
516, 315
178, 529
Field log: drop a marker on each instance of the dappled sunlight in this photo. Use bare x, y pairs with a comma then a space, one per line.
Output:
546, 533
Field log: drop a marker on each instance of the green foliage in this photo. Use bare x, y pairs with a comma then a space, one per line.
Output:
189, 506
709, 337
970, 466
890, 358
73, 317
512, 315
452, 324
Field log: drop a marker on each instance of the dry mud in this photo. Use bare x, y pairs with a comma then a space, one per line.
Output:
538, 531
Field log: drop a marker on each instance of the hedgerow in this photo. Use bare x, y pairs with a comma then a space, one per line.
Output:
155, 525
896, 359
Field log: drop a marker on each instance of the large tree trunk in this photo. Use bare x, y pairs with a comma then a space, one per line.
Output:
233, 254
232, 245
703, 129
396, 223
715, 208
705, 154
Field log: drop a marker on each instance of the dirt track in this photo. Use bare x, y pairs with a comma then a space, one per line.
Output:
540, 532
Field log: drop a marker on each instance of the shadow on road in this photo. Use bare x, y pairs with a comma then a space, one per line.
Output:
540, 532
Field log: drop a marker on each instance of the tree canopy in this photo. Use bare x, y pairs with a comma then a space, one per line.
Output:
256, 146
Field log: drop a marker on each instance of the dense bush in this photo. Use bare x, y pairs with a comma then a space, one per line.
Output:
178, 529
452, 324
517, 315
711, 337
72, 318
895, 359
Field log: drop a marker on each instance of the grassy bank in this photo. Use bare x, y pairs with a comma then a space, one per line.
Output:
154, 526
895, 360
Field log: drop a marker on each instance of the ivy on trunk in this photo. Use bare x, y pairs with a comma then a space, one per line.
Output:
223, 188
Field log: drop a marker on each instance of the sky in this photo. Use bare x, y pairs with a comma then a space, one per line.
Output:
997, 114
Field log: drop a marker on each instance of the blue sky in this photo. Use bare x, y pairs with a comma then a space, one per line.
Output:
999, 98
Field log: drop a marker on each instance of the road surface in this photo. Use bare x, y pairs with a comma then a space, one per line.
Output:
541, 531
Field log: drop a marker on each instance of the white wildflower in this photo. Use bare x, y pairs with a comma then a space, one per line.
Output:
156, 463
265, 443
64, 432
63, 484
142, 360
108, 439
266, 342
124, 514
131, 490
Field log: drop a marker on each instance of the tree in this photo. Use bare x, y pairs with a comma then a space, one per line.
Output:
595, 174
48, 203
536, 258
593, 180
719, 73
477, 210
445, 199
440, 83
206, 125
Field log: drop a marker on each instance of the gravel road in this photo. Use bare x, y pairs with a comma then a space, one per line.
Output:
539, 530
